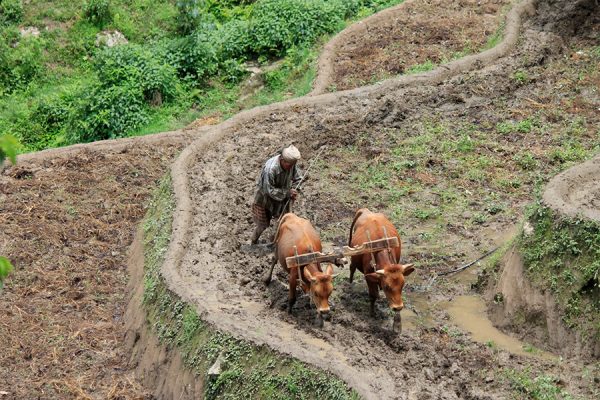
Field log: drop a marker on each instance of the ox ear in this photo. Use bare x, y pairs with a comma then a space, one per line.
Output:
373, 277
308, 275
408, 269
329, 270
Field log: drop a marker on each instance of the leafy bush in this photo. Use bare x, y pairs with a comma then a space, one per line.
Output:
11, 12
233, 40
109, 112
232, 71
20, 60
129, 77
189, 15
277, 25
194, 56
137, 66
97, 12
226, 10
8, 148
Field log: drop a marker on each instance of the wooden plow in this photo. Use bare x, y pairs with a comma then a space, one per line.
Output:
334, 257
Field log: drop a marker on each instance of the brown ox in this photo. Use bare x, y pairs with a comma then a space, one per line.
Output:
381, 269
298, 232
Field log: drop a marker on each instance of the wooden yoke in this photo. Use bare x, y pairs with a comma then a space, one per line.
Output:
372, 246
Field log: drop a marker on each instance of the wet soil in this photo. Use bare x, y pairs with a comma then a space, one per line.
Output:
421, 31
68, 217
426, 362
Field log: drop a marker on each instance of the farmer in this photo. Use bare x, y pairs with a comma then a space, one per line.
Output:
274, 189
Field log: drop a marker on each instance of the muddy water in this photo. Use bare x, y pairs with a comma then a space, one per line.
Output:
469, 313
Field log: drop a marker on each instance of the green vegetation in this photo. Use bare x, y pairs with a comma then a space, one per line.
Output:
11, 12
563, 255
249, 372
5, 269
8, 149
184, 60
424, 67
542, 387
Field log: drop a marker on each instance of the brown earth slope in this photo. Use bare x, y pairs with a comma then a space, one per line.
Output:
68, 217
414, 37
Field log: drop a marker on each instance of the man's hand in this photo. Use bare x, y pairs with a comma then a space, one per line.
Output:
293, 194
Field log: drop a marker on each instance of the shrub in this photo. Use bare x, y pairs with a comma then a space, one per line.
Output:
8, 148
137, 66
97, 12
189, 15
226, 10
109, 112
232, 71
20, 61
194, 56
277, 25
11, 12
233, 40
129, 77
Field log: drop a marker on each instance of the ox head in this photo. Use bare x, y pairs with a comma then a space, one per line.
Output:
391, 280
321, 286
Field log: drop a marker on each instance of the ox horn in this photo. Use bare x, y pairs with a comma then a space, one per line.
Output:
309, 275
380, 271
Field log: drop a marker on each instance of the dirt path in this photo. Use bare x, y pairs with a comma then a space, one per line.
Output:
206, 268
576, 192
411, 37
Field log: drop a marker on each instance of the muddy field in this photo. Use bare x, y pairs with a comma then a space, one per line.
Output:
364, 132
68, 220
417, 37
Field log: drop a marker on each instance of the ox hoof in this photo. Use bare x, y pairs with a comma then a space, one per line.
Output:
397, 325
319, 322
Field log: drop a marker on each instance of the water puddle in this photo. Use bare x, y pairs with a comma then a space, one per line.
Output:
417, 312
469, 313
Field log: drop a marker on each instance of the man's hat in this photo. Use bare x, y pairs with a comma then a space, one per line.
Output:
290, 154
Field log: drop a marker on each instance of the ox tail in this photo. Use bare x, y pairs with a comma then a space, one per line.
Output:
356, 217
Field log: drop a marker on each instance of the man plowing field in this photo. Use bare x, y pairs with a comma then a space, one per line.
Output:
274, 189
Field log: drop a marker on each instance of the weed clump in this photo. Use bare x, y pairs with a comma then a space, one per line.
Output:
562, 254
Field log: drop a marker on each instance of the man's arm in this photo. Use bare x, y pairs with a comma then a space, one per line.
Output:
272, 191
296, 177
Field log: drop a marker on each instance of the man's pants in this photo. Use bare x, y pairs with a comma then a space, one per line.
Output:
262, 219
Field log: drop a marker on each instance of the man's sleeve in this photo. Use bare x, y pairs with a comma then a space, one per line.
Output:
274, 192
297, 177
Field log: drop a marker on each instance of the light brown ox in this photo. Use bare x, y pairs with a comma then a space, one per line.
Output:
385, 273
298, 232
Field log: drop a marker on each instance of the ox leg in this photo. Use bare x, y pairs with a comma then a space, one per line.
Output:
269, 275
319, 320
292, 293
373, 296
352, 271
397, 325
